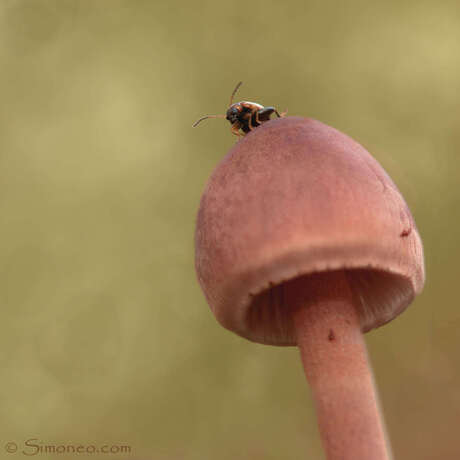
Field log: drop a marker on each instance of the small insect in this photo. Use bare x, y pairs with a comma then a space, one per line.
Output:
244, 116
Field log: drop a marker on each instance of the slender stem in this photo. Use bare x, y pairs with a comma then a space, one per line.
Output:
335, 361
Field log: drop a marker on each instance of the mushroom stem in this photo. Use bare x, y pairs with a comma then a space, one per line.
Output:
336, 365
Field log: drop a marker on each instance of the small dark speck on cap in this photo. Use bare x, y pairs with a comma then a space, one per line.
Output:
331, 335
405, 232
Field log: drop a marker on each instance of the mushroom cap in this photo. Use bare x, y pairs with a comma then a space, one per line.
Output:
296, 197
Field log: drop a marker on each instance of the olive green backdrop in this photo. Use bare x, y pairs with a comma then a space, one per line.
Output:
105, 336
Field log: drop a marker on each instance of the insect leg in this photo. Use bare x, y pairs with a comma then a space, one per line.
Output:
236, 129
253, 111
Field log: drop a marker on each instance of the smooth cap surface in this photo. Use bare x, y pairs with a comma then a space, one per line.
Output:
295, 197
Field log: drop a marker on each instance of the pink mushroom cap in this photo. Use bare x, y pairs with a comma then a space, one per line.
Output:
293, 198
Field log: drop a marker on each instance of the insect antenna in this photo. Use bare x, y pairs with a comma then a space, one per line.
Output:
207, 116
234, 92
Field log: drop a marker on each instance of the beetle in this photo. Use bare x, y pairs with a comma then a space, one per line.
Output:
244, 116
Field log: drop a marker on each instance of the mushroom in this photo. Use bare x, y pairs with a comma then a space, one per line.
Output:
303, 239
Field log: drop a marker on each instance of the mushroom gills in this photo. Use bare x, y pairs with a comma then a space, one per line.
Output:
379, 296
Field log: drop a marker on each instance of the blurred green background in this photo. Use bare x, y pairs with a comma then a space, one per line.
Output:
105, 336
